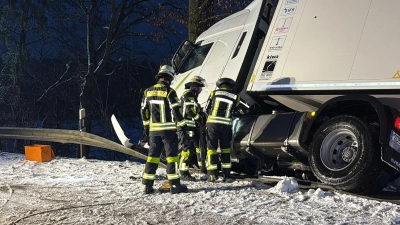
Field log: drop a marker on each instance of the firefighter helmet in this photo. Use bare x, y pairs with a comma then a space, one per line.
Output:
225, 81
165, 71
196, 81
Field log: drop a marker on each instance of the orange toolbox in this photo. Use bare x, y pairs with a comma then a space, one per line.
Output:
39, 153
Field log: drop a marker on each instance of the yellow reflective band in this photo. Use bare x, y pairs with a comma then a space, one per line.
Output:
162, 113
184, 167
189, 103
199, 162
219, 121
162, 124
162, 128
172, 159
181, 123
212, 167
175, 105
228, 111
211, 152
215, 110
185, 155
197, 117
147, 176
156, 94
220, 118
146, 122
226, 165
190, 123
172, 176
226, 150
155, 160
198, 150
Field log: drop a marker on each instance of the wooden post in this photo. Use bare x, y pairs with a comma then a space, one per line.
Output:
82, 127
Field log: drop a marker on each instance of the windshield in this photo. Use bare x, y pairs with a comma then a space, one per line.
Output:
195, 58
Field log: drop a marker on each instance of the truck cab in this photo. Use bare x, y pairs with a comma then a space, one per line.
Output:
323, 82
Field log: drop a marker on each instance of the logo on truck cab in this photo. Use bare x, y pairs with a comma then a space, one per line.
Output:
289, 2
283, 25
277, 43
272, 57
289, 11
269, 67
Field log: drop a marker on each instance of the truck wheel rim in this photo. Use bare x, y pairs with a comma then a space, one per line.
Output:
338, 149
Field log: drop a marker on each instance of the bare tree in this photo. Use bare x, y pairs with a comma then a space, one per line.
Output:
115, 30
204, 13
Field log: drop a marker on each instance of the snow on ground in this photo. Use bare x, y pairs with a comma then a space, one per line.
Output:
81, 191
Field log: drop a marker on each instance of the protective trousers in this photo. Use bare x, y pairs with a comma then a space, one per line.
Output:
223, 134
169, 141
189, 145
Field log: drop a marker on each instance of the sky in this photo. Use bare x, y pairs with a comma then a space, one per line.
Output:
86, 191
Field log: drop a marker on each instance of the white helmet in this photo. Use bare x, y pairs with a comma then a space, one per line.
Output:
196, 81
166, 71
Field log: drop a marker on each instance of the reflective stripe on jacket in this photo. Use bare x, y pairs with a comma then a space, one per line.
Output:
220, 104
190, 108
161, 109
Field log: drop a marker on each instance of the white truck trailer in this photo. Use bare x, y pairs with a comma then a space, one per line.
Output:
323, 81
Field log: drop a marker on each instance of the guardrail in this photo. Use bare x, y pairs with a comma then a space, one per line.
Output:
69, 136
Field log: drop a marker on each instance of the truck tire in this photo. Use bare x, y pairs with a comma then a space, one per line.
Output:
345, 154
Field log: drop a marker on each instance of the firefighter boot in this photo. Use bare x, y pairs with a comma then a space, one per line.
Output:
148, 189
212, 178
185, 175
179, 188
227, 178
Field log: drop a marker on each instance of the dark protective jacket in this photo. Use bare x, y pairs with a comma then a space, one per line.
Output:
161, 109
190, 108
220, 104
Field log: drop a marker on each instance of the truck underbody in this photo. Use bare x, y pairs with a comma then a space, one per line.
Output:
343, 144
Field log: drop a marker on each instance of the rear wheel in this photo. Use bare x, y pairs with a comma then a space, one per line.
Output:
345, 154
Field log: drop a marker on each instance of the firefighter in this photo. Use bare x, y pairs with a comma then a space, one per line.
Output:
161, 114
219, 108
189, 141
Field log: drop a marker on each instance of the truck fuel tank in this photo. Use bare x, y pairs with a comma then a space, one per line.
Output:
270, 135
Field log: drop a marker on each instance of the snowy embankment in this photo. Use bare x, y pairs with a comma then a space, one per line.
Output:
80, 191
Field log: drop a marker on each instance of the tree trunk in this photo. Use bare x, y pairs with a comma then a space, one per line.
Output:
87, 97
193, 18
201, 13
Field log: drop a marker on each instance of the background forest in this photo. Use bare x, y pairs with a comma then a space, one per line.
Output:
58, 56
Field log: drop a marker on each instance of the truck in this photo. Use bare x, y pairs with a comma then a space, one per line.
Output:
322, 81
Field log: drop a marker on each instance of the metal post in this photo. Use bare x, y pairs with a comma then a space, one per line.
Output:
82, 127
